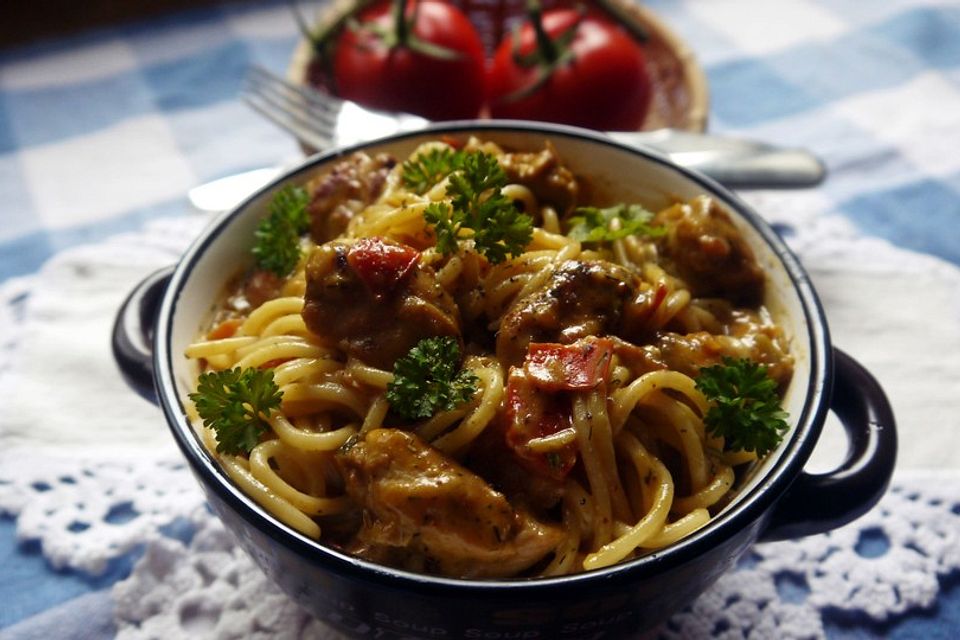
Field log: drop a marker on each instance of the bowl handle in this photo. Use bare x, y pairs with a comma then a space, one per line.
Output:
816, 503
133, 328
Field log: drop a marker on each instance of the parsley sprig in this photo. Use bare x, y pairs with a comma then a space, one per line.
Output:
745, 407
593, 224
277, 245
478, 211
236, 403
429, 379
420, 174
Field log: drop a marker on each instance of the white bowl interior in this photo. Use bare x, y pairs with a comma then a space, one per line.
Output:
618, 174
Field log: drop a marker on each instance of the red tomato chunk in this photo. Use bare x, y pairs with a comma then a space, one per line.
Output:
579, 366
381, 265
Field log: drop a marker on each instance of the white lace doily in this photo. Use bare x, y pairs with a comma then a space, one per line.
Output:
193, 580
89, 469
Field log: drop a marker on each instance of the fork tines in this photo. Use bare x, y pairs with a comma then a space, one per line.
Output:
305, 112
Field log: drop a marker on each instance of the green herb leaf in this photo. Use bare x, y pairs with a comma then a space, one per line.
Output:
236, 403
446, 223
745, 407
592, 224
277, 245
429, 379
420, 174
479, 212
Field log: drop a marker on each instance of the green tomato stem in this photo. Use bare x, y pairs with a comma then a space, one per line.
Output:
401, 29
545, 44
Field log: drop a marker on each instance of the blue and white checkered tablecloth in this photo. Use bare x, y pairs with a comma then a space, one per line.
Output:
104, 132
101, 132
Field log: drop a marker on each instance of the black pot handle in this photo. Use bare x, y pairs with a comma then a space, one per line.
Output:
817, 503
133, 332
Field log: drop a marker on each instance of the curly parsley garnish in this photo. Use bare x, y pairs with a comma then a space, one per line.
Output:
429, 379
592, 224
745, 405
236, 403
420, 174
479, 211
277, 247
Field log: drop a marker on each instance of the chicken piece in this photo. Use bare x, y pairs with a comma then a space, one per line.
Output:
703, 247
351, 185
522, 485
543, 174
760, 343
765, 341
261, 286
439, 511
374, 309
581, 298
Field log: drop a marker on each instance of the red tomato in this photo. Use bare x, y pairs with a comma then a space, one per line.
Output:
569, 367
381, 264
533, 413
225, 329
540, 404
401, 77
601, 82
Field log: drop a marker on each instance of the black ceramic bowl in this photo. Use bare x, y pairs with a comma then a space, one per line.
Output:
778, 501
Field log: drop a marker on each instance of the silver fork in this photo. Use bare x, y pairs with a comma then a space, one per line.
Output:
322, 121
317, 118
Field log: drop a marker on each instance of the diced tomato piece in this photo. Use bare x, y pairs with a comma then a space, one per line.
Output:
659, 297
533, 413
539, 402
225, 329
381, 264
453, 142
569, 367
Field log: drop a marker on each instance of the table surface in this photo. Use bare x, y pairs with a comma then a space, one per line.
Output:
104, 132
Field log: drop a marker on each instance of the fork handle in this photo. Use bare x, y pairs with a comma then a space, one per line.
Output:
738, 163
780, 169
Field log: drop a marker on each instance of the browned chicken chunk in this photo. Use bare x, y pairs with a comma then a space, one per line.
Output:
522, 486
761, 343
350, 186
262, 285
417, 499
543, 174
581, 298
749, 337
703, 247
584, 298
374, 309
